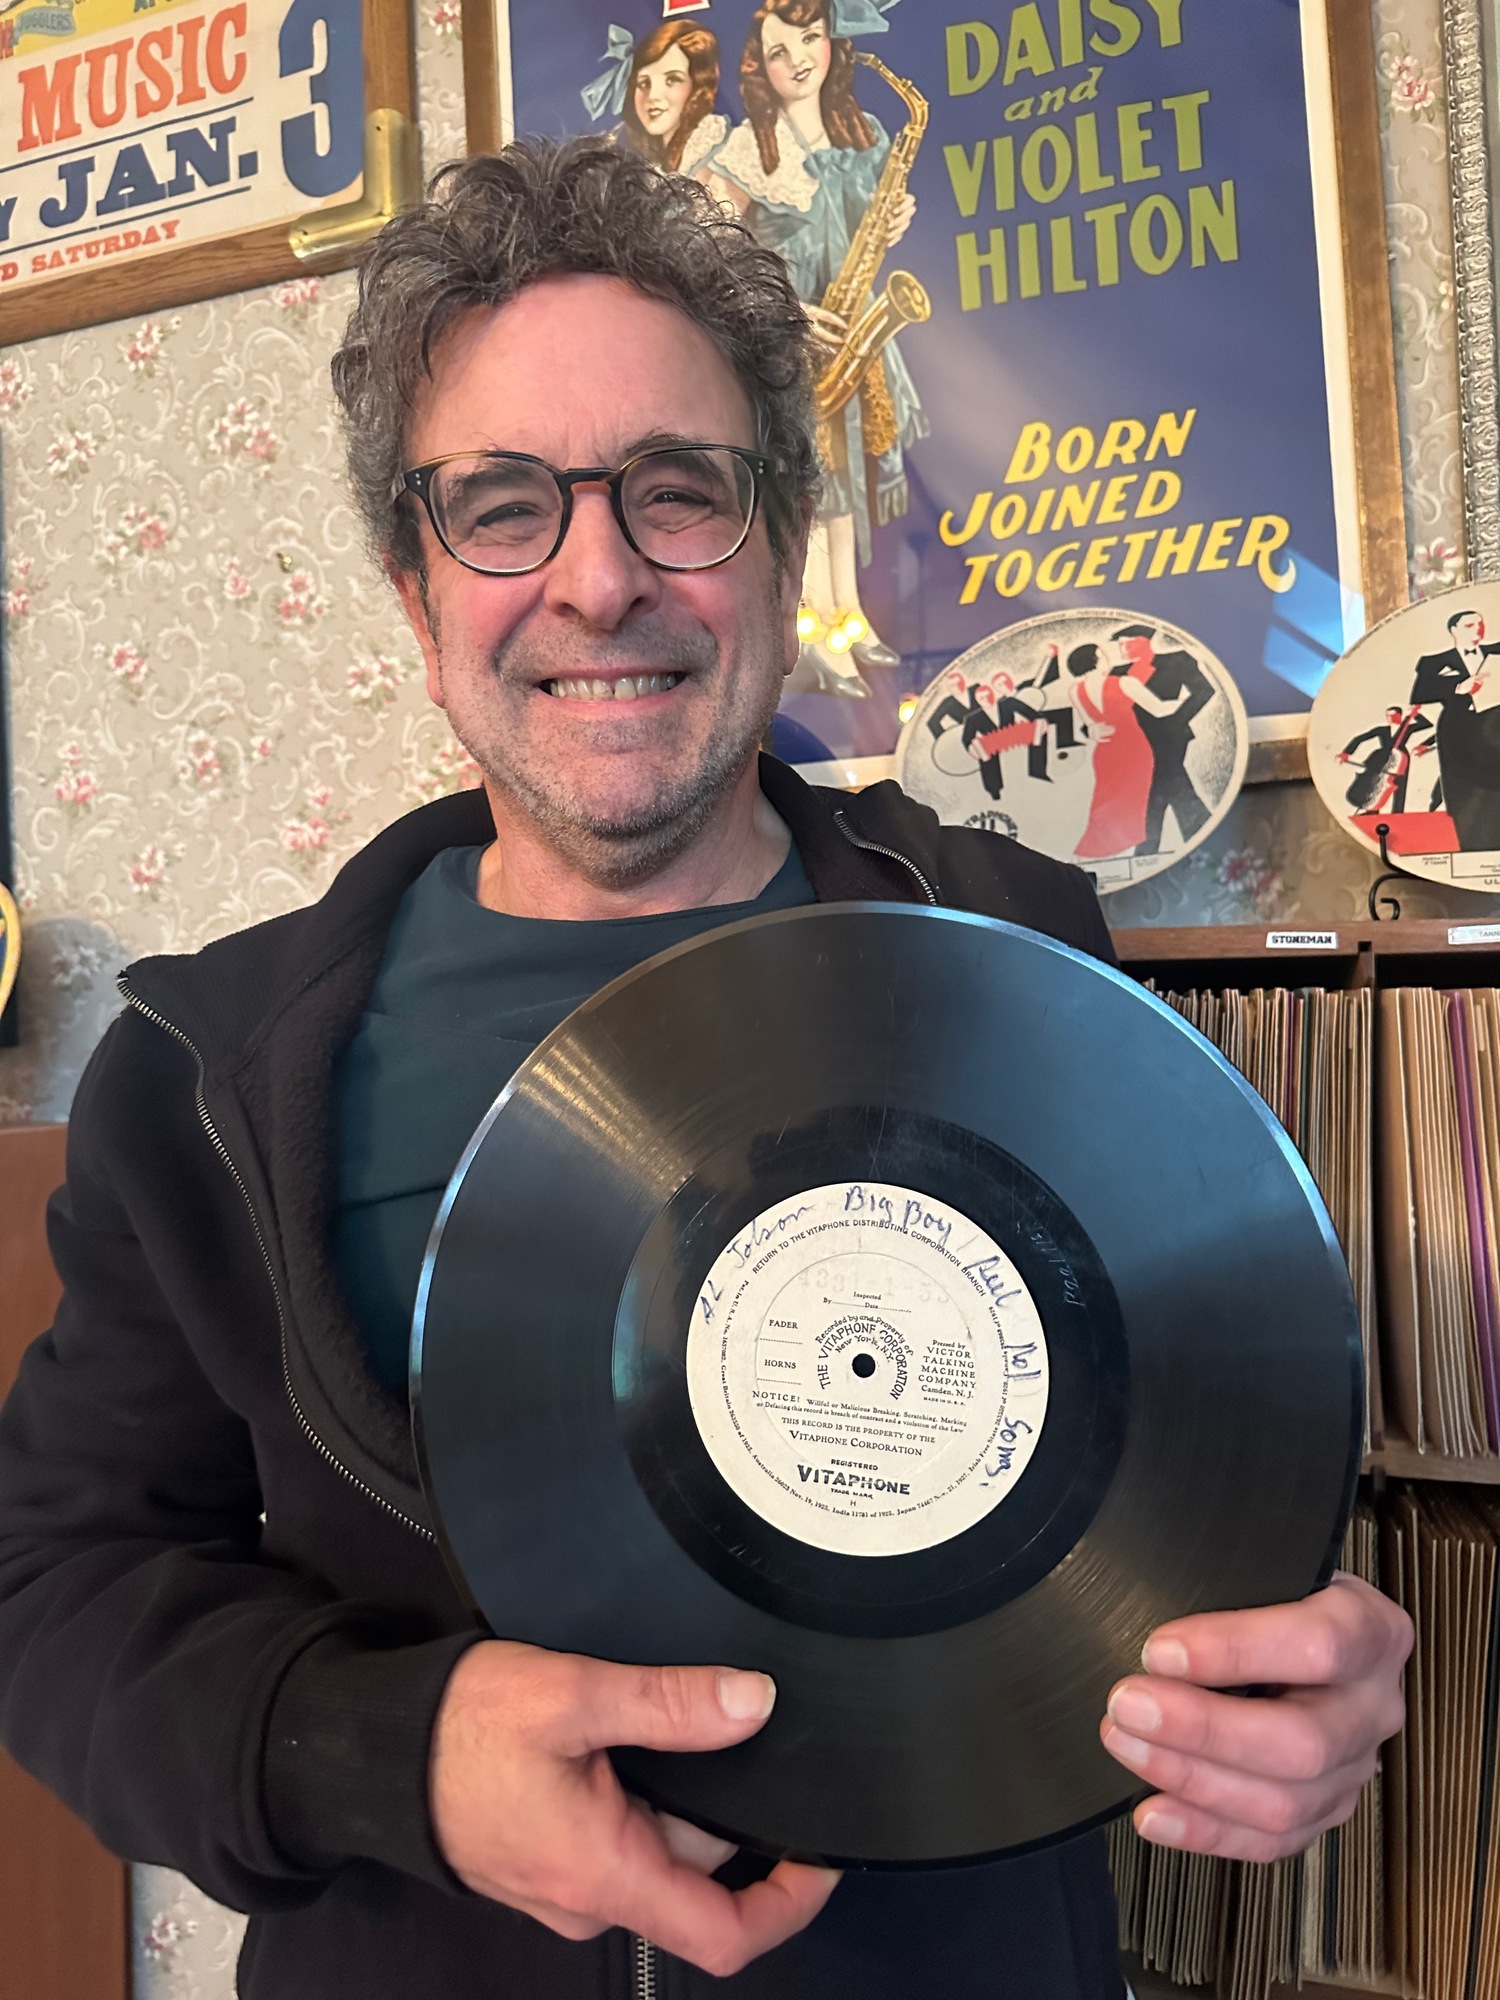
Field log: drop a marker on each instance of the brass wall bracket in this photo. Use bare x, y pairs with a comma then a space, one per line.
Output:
393, 181
10, 944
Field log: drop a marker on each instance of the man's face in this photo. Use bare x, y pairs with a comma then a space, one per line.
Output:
1139, 652
586, 371
1469, 631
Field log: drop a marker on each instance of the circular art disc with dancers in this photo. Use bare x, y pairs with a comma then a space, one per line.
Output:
1100, 737
1405, 736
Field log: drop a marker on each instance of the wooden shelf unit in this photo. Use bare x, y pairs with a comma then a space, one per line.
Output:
1346, 957
1371, 955
1419, 953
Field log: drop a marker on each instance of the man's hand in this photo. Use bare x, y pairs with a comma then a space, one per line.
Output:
528, 1811
1256, 1779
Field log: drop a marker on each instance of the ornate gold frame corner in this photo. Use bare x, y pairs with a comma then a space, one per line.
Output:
1469, 62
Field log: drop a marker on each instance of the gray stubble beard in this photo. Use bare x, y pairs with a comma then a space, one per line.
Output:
621, 853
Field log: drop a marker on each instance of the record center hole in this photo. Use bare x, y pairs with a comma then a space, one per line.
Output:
864, 1366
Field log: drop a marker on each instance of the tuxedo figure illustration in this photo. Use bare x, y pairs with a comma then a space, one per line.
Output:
991, 719
1463, 683
1404, 739
1182, 688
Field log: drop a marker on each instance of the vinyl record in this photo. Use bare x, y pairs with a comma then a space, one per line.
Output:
1405, 735
907, 1306
1100, 737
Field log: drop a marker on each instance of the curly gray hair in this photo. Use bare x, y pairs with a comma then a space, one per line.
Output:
494, 224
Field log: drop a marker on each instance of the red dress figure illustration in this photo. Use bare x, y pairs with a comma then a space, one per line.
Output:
1124, 764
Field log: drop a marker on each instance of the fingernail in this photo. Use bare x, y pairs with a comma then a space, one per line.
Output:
1135, 1710
1167, 1657
1128, 1749
746, 1697
1163, 1828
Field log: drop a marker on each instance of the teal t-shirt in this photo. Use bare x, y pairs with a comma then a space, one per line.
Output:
463, 996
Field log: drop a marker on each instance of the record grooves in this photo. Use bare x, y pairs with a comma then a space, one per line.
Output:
907, 1306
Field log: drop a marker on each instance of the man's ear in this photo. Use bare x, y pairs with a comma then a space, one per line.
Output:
792, 572
407, 584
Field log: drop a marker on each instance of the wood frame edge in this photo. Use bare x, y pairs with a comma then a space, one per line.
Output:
228, 265
481, 86
1367, 285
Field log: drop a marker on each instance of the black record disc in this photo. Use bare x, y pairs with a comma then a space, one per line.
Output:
909, 1307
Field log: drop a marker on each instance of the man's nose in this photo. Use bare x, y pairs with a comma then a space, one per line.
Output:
596, 575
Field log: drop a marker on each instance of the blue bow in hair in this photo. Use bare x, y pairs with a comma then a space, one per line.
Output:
608, 92
859, 17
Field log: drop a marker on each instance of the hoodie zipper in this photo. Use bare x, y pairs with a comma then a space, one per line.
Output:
645, 1953
645, 1986
890, 853
206, 1120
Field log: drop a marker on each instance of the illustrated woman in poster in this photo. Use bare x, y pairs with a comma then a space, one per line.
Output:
803, 168
1124, 765
663, 89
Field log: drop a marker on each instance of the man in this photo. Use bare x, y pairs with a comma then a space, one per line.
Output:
963, 710
1458, 683
226, 1632
1168, 675
1056, 716
1385, 767
987, 732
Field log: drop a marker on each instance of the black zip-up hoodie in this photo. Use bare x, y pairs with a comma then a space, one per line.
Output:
225, 1626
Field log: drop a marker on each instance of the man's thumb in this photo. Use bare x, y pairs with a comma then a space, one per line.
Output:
675, 1708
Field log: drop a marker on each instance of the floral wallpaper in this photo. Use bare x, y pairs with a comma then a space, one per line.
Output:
214, 701
213, 697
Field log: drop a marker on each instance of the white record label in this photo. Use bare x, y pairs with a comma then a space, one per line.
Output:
867, 1369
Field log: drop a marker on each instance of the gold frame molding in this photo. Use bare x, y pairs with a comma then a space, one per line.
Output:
327, 239
10, 946
489, 110
1367, 289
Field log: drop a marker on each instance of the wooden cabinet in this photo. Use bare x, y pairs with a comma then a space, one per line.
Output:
64, 1902
1444, 954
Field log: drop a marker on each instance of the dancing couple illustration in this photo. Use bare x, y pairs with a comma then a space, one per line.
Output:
1131, 708
816, 177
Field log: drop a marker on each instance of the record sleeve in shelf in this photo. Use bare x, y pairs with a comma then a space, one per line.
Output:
1432, 1165
1431, 991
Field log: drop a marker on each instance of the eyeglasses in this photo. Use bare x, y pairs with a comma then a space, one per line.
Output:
503, 513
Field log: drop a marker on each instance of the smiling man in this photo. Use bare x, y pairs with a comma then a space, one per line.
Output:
581, 432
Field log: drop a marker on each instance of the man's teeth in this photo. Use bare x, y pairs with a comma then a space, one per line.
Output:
625, 689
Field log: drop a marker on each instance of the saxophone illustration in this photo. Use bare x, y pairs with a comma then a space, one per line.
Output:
873, 319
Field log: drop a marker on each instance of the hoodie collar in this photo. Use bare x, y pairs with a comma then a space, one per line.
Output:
871, 846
